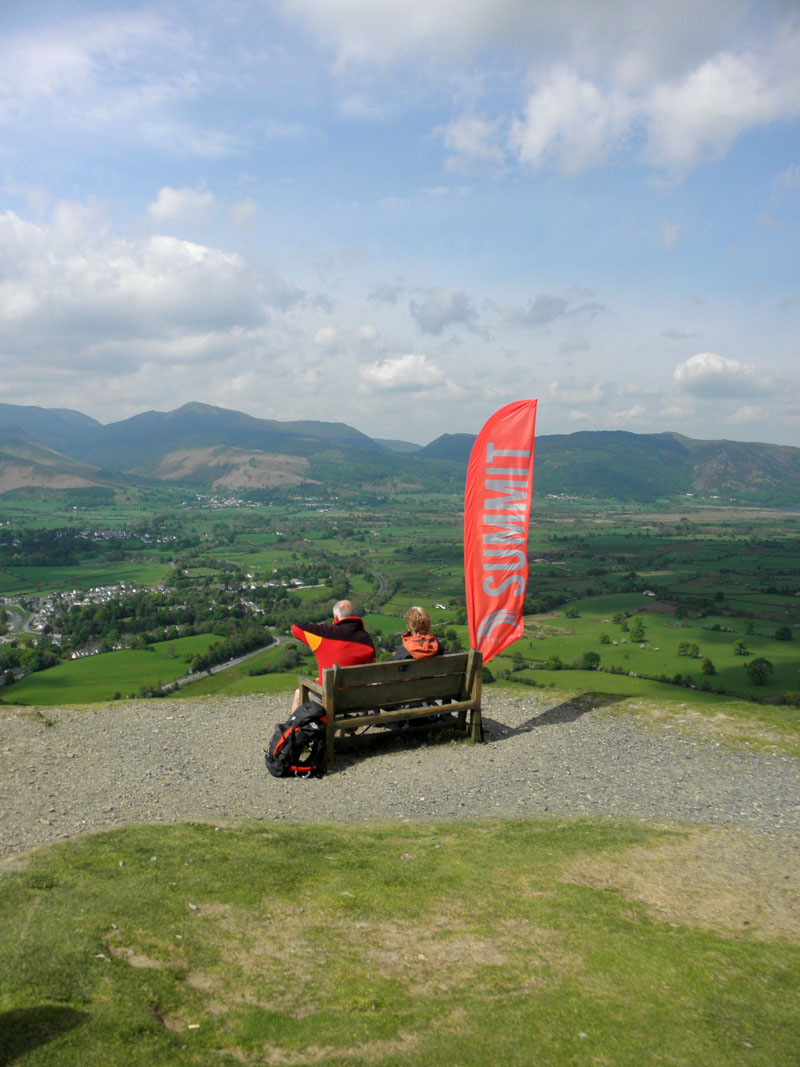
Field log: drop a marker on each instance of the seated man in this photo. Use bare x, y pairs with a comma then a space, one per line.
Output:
418, 642
344, 641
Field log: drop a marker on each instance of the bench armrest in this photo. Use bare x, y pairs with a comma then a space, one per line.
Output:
307, 686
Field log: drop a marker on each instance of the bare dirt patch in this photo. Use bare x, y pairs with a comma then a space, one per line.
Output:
284, 949
23, 476
234, 468
717, 727
720, 880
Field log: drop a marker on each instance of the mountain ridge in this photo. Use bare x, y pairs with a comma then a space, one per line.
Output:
201, 444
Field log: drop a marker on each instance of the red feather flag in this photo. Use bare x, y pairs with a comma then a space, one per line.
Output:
497, 505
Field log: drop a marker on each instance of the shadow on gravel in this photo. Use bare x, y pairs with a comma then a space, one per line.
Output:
351, 750
569, 711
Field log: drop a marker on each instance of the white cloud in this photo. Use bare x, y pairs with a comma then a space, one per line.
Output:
713, 376
624, 33
409, 373
65, 61
74, 293
182, 205
747, 413
573, 391
671, 85
243, 213
129, 76
700, 116
574, 121
570, 122
332, 339
474, 137
636, 415
442, 307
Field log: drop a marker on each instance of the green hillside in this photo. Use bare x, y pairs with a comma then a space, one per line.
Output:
202, 445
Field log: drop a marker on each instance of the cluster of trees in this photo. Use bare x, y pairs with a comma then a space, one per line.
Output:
45, 548
238, 644
759, 672
24, 657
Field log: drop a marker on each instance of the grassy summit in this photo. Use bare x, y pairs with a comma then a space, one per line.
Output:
521, 942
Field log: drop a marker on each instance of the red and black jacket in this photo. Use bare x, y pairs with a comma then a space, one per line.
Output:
345, 642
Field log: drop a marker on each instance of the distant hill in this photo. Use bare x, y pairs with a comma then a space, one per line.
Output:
57, 428
405, 447
27, 464
750, 471
141, 443
203, 445
618, 465
455, 447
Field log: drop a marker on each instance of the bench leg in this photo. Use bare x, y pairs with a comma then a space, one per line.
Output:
329, 732
476, 725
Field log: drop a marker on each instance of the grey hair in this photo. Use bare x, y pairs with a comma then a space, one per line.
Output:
343, 608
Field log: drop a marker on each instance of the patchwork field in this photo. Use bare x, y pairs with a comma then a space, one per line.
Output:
700, 580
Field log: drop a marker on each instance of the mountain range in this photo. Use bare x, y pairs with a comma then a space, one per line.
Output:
205, 446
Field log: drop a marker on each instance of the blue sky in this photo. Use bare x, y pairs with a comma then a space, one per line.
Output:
403, 215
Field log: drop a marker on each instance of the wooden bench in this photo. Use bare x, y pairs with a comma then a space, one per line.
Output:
378, 694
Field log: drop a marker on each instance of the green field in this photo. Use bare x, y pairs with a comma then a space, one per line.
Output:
658, 654
25, 581
101, 677
737, 569
238, 681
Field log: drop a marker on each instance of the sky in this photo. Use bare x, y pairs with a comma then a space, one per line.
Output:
403, 215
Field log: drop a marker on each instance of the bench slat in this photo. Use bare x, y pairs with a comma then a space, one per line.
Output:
381, 696
351, 722
454, 663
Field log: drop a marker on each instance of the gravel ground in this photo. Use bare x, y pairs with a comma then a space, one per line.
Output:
68, 771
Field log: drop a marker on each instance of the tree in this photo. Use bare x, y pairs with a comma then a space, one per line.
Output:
759, 670
707, 667
605, 639
740, 648
554, 663
637, 630
572, 612
589, 661
783, 633
451, 641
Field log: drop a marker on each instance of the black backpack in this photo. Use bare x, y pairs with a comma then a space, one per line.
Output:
298, 746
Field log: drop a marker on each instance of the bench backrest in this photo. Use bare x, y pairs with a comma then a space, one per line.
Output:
455, 676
